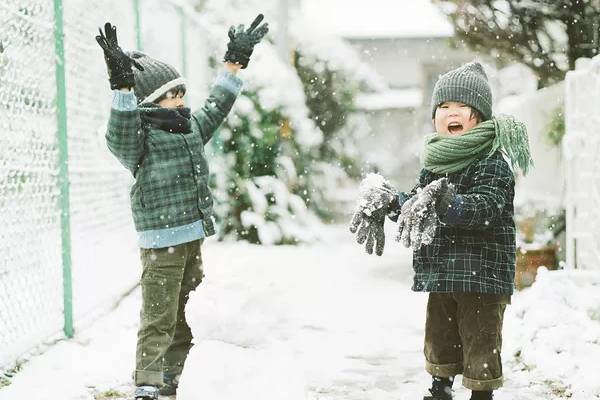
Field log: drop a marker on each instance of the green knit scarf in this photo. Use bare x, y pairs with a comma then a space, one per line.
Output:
448, 153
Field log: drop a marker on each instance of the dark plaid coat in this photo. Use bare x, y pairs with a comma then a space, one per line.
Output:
474, 248
171, 171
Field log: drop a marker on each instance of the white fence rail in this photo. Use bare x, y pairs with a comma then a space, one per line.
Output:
581, 147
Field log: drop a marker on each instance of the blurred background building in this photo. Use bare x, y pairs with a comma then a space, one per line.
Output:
407, 44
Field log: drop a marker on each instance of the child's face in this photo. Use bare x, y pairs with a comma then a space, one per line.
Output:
173, 100
453, 118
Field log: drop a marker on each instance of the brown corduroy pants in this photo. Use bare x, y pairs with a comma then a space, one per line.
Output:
463, 335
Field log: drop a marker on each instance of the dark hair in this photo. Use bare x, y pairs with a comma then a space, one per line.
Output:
476, 114
176, 89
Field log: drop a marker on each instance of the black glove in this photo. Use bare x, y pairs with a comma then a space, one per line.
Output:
378, 198
241, 42
118, 63
419, 215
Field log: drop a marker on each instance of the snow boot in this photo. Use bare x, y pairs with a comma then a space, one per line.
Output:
170, 384
482, 395
146, 393
441, 389
436, 395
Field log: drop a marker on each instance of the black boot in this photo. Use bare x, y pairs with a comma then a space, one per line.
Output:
482, 395
441, 389
170, 384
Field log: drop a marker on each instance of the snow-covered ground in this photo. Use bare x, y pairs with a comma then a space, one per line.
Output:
325, 322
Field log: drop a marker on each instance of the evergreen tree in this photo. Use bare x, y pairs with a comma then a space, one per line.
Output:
330, 97
252, 175
288, 144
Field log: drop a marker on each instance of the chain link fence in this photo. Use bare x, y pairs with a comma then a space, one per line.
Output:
68, 247
581, 146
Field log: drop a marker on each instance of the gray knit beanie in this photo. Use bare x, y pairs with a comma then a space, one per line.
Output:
157, 78
467, 84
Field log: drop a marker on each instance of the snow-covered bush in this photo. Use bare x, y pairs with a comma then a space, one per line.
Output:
332, 74
288, 144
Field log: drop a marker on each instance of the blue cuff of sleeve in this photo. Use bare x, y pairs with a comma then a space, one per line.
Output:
454, 211
124, 101
230, 82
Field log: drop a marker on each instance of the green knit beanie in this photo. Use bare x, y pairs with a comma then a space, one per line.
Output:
467, 84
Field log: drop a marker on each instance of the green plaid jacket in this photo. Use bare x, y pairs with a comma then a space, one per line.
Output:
171, 171
474, 248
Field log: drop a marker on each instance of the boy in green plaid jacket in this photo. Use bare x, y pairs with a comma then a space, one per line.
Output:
161, 142
459, 220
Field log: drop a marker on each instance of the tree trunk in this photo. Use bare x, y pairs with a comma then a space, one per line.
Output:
582, 29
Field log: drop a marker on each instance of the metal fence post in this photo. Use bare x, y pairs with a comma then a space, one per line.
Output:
63, 154
138, 25
183, 41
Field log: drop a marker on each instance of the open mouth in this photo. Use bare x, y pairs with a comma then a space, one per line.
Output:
454, 128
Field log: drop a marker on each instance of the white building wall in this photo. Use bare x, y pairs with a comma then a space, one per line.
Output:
545, 184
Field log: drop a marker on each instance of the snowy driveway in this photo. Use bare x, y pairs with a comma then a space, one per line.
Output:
324, 321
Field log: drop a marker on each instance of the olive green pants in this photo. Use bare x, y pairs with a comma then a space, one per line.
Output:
164, 337
463, 335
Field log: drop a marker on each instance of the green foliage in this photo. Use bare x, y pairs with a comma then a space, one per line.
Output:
249, 145
267, 170
330, 97
8, 374
112, 393
595, 314
559, 390
555, 128
254, 142
557, 223
4, 381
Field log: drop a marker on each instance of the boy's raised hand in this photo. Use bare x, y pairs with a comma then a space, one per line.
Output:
241, 42
378, 198
118, 63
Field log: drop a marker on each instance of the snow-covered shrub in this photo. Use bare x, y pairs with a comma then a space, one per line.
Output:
252, 176
288, 144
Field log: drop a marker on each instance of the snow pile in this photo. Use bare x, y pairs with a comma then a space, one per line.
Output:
555, 332
278, 319
237, 354
268, 373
